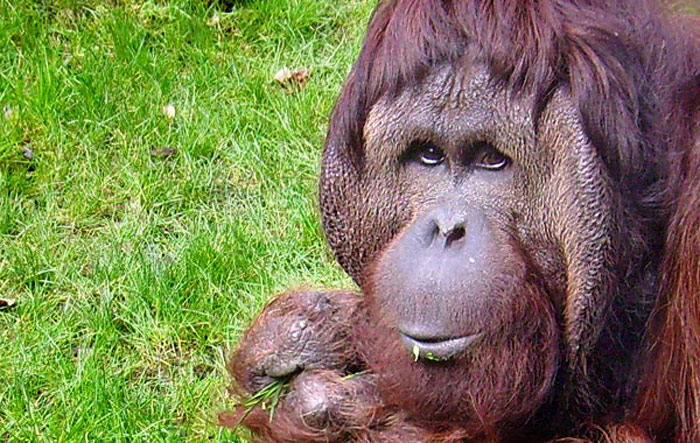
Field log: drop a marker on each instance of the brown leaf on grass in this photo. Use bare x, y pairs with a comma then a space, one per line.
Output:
163, 152
288, 78
7, 303
214, 20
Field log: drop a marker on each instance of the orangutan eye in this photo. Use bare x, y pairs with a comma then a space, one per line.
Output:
428, 154
490, 158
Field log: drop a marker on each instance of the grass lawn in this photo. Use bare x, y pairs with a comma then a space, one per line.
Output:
133, 269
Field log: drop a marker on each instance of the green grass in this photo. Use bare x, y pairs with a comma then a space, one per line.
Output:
134, 274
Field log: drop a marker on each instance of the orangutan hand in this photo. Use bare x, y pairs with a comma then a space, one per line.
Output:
305, 345
297, 332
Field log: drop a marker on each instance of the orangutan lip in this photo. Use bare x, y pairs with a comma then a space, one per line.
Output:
437, 348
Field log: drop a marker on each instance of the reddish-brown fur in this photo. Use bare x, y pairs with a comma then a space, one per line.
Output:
669, 401
634, 76
636, 81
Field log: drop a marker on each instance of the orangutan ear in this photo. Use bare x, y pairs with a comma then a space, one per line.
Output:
670, 389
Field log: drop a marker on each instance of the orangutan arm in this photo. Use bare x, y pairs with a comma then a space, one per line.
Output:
304, 342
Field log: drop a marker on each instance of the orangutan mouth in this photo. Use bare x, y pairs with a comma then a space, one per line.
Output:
437, 348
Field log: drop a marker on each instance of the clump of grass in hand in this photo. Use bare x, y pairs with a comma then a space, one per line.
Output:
267, 398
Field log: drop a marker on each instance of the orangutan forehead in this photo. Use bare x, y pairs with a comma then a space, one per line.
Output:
450, 106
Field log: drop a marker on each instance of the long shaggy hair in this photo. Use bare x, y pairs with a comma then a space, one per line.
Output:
633, 71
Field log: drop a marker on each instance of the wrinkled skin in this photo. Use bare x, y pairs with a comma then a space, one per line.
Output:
306, 330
